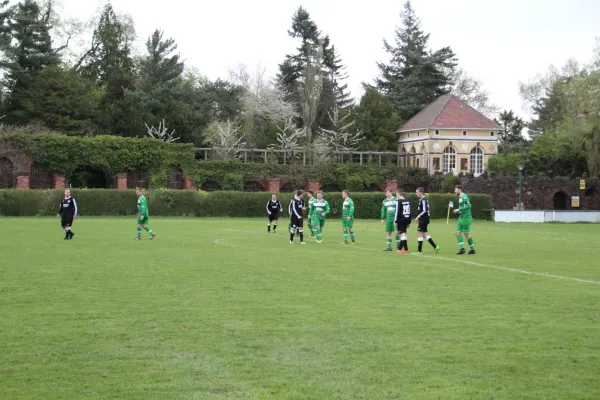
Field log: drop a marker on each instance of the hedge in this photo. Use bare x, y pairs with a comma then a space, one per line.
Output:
106, 202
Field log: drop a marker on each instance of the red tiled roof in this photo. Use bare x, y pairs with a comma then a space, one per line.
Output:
448, 111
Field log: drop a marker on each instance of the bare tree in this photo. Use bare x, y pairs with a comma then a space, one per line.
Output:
288, 137
161, 133
471, 91
225, 137
311, 87
341, 137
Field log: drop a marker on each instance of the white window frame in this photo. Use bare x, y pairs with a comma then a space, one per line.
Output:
476, 160
449, 160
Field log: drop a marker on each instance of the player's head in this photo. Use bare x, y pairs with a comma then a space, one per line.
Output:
138, 191
388, 193
309, 194
320, 195
420, 192
400, 193
67, 192
299, 193
273, 197
458, 190
345, 194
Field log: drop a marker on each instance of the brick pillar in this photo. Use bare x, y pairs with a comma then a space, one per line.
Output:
122, 181
273, 185
22, 182
314, 186
58, 181
188, 184
392, 184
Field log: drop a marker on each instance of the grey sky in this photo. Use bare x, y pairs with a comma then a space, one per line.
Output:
499, 42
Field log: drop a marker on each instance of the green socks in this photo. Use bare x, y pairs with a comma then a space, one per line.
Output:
149, 230
389, 244
352, 236
471, 244
461, 243
345, 237
139, 232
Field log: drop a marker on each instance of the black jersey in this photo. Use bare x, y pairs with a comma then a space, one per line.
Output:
296, 206
274, 206
68, 207
423, 208
402, 211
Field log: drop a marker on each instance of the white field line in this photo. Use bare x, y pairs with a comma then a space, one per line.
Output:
565, 235
519, 271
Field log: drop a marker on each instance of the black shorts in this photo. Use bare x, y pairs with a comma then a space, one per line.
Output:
423, 223
66, 221
297, 222
403, 225
273, 217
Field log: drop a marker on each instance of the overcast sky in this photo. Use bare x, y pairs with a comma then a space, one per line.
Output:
499, 42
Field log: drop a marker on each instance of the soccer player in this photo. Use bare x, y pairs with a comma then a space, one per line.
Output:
319, 209
297, 222
311, 199
464, 220
422, 221
143, 216
347, 217
68, 211
273, 208
388, 215
402, 221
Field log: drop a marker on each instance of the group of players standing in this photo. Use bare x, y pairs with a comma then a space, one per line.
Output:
395, 214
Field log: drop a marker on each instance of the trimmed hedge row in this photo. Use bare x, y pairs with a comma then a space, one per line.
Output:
106, 202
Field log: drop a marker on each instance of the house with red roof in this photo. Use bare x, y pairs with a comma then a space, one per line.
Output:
448, 136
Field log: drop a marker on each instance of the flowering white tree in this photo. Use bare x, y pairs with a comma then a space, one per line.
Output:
288, 137
161, 133
342, 137
263, 97
225, 137
471, 91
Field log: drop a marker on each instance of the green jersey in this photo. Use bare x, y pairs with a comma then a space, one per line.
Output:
318, 207
142, 206
388, 208
464, 206
310, 203
348, 209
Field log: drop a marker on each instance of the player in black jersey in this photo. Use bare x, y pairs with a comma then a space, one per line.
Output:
297, 207
402, 221
67, 212
423, 221
273, 209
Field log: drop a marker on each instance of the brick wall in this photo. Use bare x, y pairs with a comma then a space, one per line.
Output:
537, 193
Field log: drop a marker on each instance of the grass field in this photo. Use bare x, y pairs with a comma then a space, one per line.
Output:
219, 309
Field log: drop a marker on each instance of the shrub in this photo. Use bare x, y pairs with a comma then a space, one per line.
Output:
162, 202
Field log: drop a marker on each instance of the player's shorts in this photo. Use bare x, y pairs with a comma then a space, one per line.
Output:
423, 223
296, 222
317, 221
144, 222
389, 225
66, 221
347, 224
403, 226
273, 217
464, 225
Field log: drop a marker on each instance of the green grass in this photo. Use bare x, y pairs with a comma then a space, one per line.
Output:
219, 309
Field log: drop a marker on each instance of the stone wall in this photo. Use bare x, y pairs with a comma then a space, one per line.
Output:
537, 193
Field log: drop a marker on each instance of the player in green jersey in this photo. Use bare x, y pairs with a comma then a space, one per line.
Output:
143, 216
347, 217
311, 199
318, 210
464, 221
388, 216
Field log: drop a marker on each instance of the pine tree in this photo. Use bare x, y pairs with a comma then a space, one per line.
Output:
27, 50
160, 65
337, 75
415, 76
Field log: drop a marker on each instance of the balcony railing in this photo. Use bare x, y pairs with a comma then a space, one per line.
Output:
302, 157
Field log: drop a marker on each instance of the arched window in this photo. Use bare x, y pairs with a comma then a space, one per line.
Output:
477, 160
449, 160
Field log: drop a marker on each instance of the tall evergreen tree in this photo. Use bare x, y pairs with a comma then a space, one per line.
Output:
337, 75
414, 76
160, 65
27, 50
